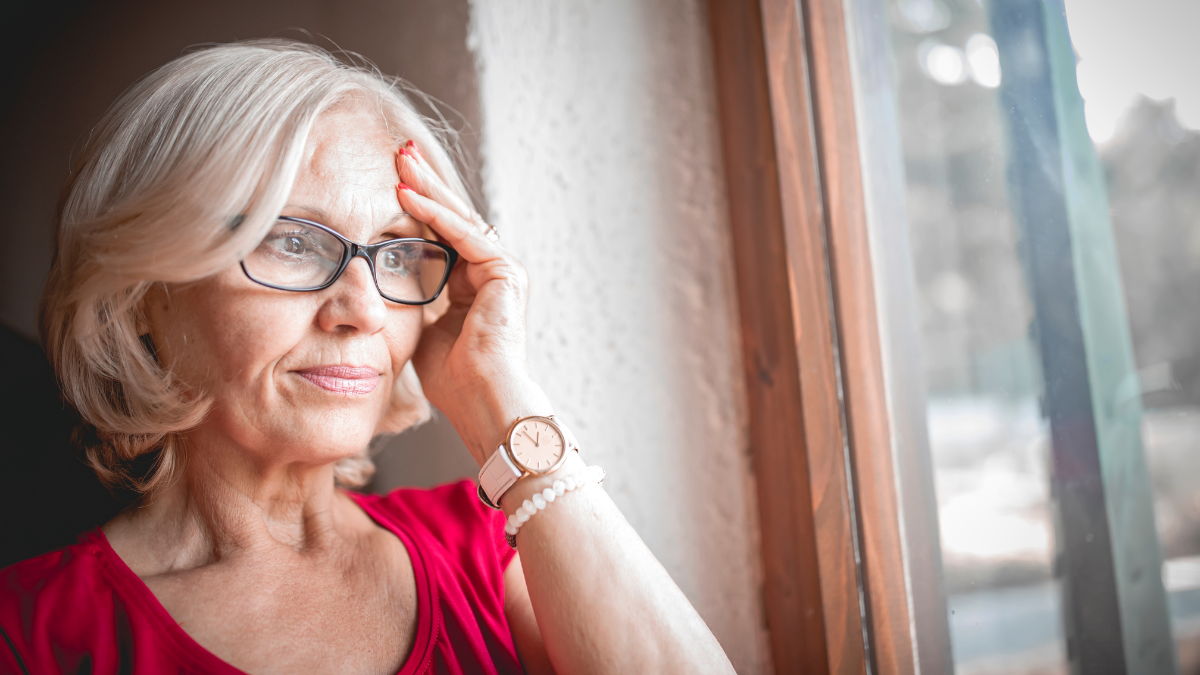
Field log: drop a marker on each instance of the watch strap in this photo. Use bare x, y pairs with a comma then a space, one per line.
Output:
497, 476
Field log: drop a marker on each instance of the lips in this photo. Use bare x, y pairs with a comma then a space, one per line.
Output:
342, 379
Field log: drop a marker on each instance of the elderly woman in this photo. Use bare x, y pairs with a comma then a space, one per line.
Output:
259, 251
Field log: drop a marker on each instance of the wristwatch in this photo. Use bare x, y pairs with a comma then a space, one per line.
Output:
534, 446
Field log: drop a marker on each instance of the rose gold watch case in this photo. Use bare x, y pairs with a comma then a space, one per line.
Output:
526, 471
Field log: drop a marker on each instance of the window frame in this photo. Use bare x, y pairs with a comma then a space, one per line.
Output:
840, 591
848, 513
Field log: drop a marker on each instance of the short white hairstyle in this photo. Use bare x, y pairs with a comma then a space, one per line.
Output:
182, 177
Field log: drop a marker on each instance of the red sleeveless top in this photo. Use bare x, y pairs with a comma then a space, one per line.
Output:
82, 610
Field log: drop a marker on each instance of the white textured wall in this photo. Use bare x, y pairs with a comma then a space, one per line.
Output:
602, 170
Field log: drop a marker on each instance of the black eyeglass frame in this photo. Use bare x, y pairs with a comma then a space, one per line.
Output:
351, 250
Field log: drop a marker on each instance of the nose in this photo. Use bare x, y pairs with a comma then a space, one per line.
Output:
353, 303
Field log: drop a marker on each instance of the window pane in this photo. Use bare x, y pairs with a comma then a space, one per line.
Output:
1150, 151
988, 439
1057, 336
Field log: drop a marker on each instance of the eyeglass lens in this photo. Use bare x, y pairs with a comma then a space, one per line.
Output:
295, 256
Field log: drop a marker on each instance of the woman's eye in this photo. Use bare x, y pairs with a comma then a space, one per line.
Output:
395, 261
293, 245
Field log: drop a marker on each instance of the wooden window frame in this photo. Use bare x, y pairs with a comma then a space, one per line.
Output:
836, 413
837, 592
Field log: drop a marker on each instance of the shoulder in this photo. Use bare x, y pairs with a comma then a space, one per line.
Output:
459, 555
49, 577
458, 496
61, 598
450, 514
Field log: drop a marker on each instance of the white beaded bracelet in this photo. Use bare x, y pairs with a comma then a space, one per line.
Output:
539, 501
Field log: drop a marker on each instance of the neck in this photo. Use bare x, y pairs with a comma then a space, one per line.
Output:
229, 501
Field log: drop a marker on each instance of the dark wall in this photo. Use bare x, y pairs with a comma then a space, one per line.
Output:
61, 64
47, 494
84, 54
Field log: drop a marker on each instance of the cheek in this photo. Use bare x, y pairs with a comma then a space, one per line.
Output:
218, 334
402, 333
226, 337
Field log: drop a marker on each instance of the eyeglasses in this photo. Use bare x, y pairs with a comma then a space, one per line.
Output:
300, 255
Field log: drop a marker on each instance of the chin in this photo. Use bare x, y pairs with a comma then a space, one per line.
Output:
333, 445
306, 433
323, 444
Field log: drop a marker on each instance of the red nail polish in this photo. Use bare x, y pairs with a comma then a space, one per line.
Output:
405, 153
402, 186
412, 144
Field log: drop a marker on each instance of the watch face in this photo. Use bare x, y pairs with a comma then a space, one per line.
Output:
536, 445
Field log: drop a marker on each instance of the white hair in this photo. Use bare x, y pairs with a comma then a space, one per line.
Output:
182, 177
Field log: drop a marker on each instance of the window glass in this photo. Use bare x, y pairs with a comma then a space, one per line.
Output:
1142, 103
1008, 384
987, 436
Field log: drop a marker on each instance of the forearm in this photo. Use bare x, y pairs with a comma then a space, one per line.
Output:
601, 600
603, 603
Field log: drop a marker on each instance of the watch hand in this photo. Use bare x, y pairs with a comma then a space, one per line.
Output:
535, 443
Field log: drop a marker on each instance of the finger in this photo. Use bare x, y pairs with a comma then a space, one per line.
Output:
462, 234
418, 174
424, 173
414, 151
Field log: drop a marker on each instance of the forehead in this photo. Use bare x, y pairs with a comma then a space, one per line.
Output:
348, 173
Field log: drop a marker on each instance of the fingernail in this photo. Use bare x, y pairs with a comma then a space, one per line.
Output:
412, 144
402, 186
405, 153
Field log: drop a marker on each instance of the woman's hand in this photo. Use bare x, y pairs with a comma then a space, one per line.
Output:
602, 602
472, 360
